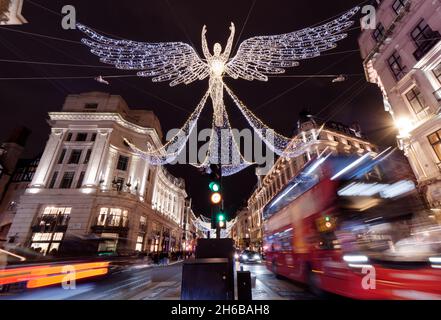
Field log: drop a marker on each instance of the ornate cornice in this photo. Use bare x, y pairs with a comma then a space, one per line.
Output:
106, 116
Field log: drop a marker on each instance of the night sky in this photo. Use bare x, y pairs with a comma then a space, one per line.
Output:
27, 102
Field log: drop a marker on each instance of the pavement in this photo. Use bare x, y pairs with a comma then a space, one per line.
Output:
148, 282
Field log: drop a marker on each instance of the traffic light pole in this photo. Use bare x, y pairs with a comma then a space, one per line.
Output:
218, 228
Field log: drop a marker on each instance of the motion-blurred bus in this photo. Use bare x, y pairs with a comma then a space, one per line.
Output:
357, 227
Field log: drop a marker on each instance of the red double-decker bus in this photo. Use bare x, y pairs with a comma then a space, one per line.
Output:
355, 226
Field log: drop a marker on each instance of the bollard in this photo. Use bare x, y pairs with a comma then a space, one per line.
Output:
244, 292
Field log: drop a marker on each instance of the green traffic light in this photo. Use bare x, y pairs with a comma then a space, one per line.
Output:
214, 186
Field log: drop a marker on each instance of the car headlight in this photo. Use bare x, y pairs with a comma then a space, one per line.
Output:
236, 256
244, 257
355, 258
256, 257
435, 259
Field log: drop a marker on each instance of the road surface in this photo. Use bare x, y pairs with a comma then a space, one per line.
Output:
146, 282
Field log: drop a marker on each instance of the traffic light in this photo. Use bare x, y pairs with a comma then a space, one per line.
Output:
215, 185
216, 198
218, 219
221, 220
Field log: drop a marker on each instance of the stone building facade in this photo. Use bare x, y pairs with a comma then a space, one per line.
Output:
331, 137
89, 184
403, 57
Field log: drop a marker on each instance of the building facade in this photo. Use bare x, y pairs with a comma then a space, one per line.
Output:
241, 230
331, 137
90, 185
19, 182
403, 57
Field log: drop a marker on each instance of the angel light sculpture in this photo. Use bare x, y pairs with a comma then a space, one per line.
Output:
256, 58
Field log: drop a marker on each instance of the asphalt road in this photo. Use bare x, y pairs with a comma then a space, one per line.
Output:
145, 282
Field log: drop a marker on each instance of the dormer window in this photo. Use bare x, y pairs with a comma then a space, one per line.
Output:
91, 107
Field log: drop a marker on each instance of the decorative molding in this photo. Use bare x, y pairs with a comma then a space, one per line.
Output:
114, 117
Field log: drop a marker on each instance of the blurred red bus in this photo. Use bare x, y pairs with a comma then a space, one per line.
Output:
345, 225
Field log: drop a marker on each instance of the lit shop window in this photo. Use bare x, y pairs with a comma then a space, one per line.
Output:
38, 236
47, 242
113, 217
139, 242
109, 242
56, 210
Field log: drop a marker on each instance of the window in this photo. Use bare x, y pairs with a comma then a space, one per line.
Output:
81, 136
437, 72
93, 138
66, 182
142, 224
53, 180
113, 217
75, 156
47, 242
379, 32
435, 141
80, 179
139, 242
91, 107
57, 210
87, 158
118, 183
62, 155
396, 66
122, 163
69, 136
398, 5
424, 38
416, 100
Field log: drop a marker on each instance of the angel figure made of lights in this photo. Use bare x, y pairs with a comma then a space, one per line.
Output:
256, 58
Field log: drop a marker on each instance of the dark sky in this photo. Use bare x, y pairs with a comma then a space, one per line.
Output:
26, 102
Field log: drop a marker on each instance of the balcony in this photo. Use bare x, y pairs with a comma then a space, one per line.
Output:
111, 225
51, 223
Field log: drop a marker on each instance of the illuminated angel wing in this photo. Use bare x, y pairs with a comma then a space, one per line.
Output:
176, 62
259, 56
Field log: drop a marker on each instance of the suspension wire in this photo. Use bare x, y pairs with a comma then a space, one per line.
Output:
337, 98
299, 84
55, 64
244, 25
39, 35
179, 23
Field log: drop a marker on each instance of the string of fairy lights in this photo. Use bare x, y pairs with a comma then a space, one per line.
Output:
257, 58
171, 150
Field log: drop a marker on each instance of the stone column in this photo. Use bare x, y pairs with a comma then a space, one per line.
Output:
108, 176
48, 159
143, 184
97, 159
